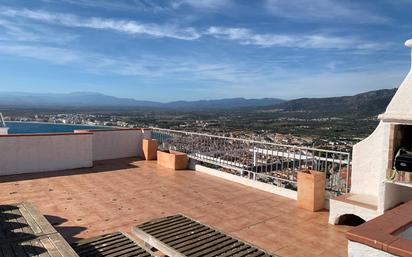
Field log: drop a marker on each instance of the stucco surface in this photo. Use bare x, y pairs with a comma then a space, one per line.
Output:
23, 154
370, 160
339, 208
400, 109
359, 250
114, 144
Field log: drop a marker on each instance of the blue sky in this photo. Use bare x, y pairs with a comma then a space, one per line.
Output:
204, 49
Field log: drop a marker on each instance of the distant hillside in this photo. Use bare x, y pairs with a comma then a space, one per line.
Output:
77, 99
364, 104
229, 103
91, 99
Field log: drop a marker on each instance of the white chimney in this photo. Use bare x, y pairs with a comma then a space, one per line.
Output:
375, 185
399, 109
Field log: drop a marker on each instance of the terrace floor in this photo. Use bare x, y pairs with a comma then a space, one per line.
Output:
118, 194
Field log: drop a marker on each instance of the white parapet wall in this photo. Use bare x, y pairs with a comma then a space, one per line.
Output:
116, 143
4, 131
146, 133
44, 152
248, 182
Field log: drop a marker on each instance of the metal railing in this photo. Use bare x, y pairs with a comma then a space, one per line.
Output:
271, 163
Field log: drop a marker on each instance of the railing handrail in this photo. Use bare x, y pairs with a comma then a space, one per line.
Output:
279, 163
253, 141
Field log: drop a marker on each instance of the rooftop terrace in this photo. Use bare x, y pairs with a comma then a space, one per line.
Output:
118, 194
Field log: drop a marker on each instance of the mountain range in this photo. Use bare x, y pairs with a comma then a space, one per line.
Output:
92, 99
365, 103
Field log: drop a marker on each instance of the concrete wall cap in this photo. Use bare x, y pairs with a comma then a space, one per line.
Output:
47, 134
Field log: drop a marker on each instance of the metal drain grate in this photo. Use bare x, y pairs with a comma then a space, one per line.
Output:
115, 244
180, 236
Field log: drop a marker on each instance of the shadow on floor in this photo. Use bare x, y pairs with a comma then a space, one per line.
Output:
68, 232
17, 240
98, 166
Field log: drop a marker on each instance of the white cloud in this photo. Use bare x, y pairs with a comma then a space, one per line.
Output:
148, 5
131, 6
202, 4
53, 55
15, 32
223, 78
242, 35
336, 10
144, 66
124, 26
28, 32
248, 37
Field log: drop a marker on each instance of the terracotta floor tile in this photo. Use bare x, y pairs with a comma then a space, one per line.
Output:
118, 194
